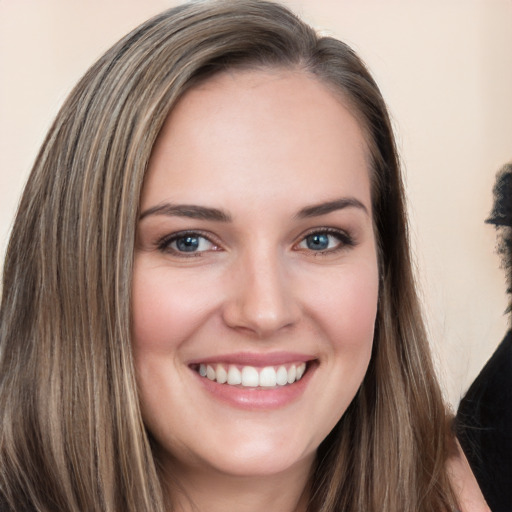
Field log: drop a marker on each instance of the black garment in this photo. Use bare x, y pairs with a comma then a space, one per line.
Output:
484, 427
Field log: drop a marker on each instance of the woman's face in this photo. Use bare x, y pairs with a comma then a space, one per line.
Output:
255, 282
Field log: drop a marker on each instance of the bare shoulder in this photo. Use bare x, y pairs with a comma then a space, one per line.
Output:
464, 483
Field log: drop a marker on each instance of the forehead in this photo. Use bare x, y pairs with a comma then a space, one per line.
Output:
259, 132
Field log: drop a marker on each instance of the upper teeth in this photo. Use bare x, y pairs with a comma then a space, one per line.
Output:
249, 376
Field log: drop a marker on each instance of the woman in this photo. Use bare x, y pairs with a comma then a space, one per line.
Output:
208, 301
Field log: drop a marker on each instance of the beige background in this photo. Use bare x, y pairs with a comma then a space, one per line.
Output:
445, 68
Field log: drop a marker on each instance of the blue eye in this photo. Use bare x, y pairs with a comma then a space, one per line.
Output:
325, 241
186, 243
318, 241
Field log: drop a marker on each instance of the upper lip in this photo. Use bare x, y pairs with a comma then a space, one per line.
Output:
255, 359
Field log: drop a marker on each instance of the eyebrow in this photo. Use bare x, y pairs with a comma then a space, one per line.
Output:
192, 211
331, 206
187, 210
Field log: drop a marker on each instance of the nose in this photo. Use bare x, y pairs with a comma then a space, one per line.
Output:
261, 300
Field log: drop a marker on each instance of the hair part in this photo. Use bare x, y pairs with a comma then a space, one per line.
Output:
72, 436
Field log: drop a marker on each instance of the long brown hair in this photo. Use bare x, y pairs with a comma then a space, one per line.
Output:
71, 436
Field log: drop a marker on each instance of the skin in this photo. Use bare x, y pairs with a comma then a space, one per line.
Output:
263, 146
464, 482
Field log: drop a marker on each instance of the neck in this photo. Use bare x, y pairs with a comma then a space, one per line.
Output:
209, 491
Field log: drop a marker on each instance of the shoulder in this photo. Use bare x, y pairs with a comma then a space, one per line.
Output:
494, 380
464, 484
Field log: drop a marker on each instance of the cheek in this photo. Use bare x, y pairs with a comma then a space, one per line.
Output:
345, 312
348, 307
167, 308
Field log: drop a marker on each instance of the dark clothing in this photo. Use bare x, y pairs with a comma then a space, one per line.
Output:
484, 427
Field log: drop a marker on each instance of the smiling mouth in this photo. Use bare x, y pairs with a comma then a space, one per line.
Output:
268, 377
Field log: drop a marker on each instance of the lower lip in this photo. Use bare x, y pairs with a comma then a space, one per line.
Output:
258, 398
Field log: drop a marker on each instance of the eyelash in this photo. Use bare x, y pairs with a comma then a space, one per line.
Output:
164, 243
345, 241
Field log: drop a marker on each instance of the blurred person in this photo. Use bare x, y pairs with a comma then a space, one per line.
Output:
484, 418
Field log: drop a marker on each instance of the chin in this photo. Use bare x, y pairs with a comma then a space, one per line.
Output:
263, 464
255, 453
